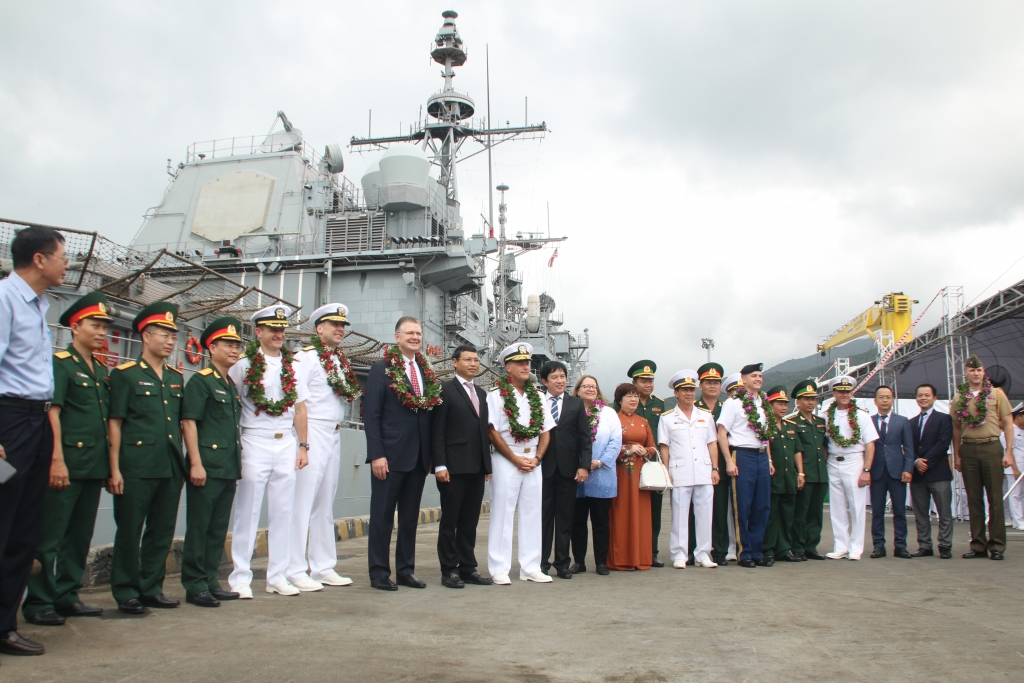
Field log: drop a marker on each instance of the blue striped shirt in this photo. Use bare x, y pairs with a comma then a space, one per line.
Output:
26, 349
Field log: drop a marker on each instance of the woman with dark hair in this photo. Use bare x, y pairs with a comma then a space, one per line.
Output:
594, 496
630, 514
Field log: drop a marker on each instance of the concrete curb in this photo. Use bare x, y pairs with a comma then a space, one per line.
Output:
97, 565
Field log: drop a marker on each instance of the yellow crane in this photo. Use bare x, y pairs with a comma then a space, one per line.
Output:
892, 313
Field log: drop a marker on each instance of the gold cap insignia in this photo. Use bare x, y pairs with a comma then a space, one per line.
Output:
647, 368
169, 316
231, 329
103, 309
279, 313
522, 349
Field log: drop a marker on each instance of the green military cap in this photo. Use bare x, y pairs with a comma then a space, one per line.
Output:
221, 328
710, 371
973, 362
777, 393
162, 314
92, 305
808, 387
642, 368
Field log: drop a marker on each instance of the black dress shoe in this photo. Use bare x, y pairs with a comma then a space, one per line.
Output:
657, 563
204, 599
411, 581
791, 558
47, 617
578, 568
477, 578
719, 560
800, 557
79, 610
383, 584
159, 601
748, 563
902, 553
223, 595
814, 555
924, 552
602, 570
452, 580
973, 554
996, 555
879, 551
768, 561
944, 553
15, 644
565, 573
132, 606
690, 563
545, 568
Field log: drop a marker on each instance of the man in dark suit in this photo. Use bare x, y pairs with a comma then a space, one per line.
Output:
566, 465
396, 417
462, 463
890, 473
932, 478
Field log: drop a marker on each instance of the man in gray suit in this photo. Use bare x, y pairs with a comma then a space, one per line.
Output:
890, 473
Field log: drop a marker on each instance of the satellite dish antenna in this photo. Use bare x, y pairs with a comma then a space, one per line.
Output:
333, 159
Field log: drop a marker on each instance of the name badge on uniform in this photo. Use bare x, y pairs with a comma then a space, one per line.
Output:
145, 384
678, 426
218, 391
175, 386
82, 374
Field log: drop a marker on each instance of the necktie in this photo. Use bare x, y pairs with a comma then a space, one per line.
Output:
554, 408
883, 427
924, 417
414, 378
472, 397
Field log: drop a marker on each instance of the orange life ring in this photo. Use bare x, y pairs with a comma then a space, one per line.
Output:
193, 351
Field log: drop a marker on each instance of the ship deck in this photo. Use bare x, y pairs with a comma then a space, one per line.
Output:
924, 619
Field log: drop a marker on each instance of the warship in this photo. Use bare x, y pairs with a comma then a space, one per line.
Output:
247, 222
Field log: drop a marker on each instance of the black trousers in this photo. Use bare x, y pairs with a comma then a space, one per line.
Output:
27, 439
558, 500
897, 491
400, 491
461, 498
597, 510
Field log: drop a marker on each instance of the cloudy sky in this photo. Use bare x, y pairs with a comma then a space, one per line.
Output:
758, 172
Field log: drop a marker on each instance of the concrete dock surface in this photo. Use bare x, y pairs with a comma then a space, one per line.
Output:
887, 619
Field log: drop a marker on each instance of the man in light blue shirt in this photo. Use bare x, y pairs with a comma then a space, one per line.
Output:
26, 437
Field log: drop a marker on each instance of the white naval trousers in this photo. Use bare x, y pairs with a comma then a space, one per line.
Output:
1014, 502
847, 503
703, 497
268, 464
313, 511
509, 486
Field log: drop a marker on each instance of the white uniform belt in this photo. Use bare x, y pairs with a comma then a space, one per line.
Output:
334, 424
522, 449
841, 457
266, 433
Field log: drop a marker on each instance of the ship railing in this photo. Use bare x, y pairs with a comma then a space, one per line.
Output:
251, 144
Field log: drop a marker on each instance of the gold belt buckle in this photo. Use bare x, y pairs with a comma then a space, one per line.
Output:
278, 435
526, 450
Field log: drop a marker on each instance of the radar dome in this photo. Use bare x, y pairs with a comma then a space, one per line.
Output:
371, 184
404, 164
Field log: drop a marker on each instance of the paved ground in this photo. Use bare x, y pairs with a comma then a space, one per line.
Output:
873, 620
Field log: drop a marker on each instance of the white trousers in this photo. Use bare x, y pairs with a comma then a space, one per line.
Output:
847, 504
1014, 502
703, 497
268, 464
313, 511
510, 487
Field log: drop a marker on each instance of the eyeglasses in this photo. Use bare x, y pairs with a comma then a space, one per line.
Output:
588, 386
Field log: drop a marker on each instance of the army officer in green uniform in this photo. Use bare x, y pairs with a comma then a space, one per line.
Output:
787, 480
209, 422
146, 465
810, 500
78, 470
650, 407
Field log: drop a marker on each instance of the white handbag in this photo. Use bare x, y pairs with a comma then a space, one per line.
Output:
654, 476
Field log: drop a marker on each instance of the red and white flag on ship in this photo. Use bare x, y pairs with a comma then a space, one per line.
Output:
551, 261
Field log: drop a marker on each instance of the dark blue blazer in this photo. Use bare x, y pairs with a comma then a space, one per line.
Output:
933, 446
400, 434
897, 449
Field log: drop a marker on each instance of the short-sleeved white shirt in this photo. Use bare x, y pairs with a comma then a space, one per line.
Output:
867, 434
323, 403
272, 390
687, 438
734, 419
497, 418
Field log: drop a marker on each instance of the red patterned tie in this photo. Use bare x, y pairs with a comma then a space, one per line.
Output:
414, 378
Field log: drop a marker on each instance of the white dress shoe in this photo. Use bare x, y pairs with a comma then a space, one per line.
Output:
679, 564
536, 577
307, 585
853, 557
244, 591
836, 556
282, 587
707, 564
501, 580
333, 579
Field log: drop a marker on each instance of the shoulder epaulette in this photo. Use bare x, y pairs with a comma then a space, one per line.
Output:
125, 366
308, 348
703, 410
171, 367
206, 371
494, 388
786, 419
241, 356
62, 354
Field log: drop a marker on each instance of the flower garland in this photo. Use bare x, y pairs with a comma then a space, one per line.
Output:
851, 418
400, 383
254, 381
343, 382
980, 405
536, 424
594, 418
763, 434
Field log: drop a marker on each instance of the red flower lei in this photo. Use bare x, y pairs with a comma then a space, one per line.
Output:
594, 418
343, 382
395, 370
254, 381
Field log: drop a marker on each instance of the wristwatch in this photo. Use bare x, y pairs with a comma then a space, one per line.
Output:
866, 469
714, 469
304, 445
